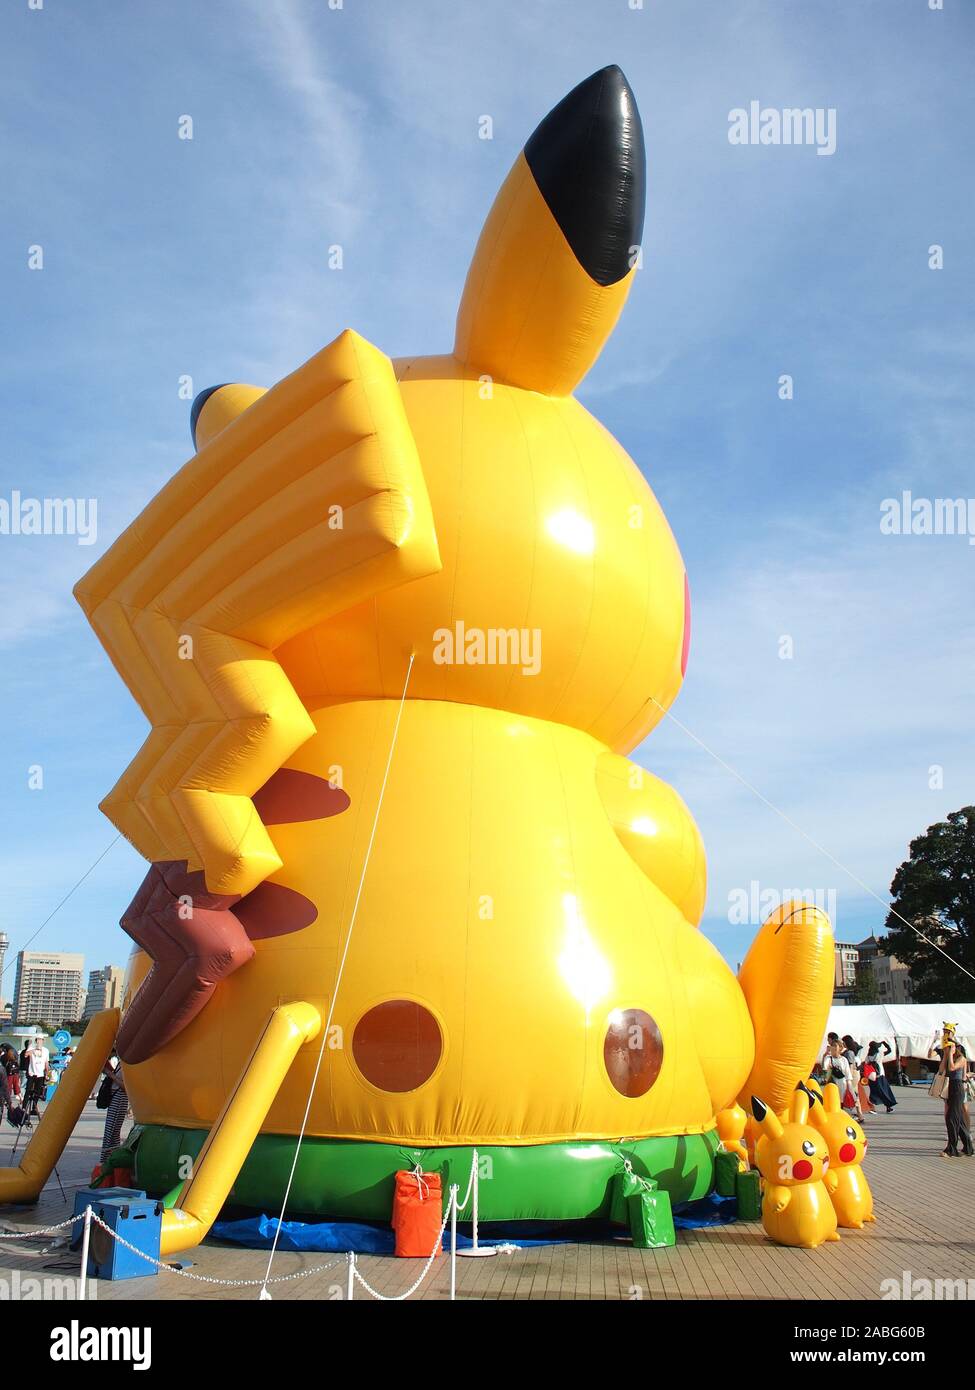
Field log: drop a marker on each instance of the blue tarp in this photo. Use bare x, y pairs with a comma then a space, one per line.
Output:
257, 1232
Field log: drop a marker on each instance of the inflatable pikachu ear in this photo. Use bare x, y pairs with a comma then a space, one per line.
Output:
831, 1099
217, 407
799, 1109
818, 1116
766, 1119
557, 255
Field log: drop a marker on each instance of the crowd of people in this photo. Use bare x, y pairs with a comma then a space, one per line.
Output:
863, 1086
865, 1090
24, 1080
25, 1077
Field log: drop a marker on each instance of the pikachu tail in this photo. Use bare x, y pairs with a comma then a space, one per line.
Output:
787, 980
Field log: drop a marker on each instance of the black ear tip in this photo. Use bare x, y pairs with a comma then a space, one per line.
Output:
588, 160
198, 405
811, 1094
611, 74
759, 1108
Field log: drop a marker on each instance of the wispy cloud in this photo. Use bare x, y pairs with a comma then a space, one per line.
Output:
847, 735
298, 58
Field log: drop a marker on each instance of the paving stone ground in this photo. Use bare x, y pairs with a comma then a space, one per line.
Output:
925, 1207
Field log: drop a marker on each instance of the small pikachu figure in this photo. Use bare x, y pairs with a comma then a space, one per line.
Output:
847, 1187
793, 1159
731, 1129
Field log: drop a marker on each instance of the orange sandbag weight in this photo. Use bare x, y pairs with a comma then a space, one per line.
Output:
417, 1213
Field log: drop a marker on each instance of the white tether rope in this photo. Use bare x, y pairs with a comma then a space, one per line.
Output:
815, 843
338, 975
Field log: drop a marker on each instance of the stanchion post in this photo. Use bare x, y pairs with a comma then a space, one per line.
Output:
85, 1241
454, 1189
476, 1248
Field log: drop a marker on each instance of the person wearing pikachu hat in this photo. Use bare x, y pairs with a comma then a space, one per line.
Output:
951, 1081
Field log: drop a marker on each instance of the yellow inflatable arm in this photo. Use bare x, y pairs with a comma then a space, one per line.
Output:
24, 1183
303, 501
229, 1142
657, 830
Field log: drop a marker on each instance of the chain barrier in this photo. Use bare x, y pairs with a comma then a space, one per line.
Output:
34, 1233
207, 1278
399, 1297
454, 1205
41, 1230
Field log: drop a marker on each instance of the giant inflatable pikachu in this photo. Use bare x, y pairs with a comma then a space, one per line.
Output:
395, 627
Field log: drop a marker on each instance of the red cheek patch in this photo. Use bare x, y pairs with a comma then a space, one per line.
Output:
848, 1153
291, 796
802, 1170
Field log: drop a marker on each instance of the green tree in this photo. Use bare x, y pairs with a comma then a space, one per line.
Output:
865, 990
935, 891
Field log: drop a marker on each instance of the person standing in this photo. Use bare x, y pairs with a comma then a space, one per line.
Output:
118, 1106
38, 1058
839, 1071
8, 1061
851, 1051
953, 1065
880, 1092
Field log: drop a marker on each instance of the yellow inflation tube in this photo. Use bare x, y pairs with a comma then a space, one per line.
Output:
238, 1125
23, 1184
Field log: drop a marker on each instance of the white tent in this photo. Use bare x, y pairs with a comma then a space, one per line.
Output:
909, 1028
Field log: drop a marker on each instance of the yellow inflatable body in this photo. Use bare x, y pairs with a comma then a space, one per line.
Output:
793, 1160
525, 968
848, 1188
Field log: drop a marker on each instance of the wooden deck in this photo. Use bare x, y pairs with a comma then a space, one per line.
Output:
925, 1208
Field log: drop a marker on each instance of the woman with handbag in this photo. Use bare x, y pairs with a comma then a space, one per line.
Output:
838, 1070
851, 1051
951, 1085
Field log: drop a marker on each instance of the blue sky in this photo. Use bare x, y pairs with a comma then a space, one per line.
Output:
312, 126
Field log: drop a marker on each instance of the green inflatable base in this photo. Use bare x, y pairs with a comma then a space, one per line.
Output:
352, 1180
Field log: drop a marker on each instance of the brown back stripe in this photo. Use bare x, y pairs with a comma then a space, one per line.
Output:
291, 795
274, 910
